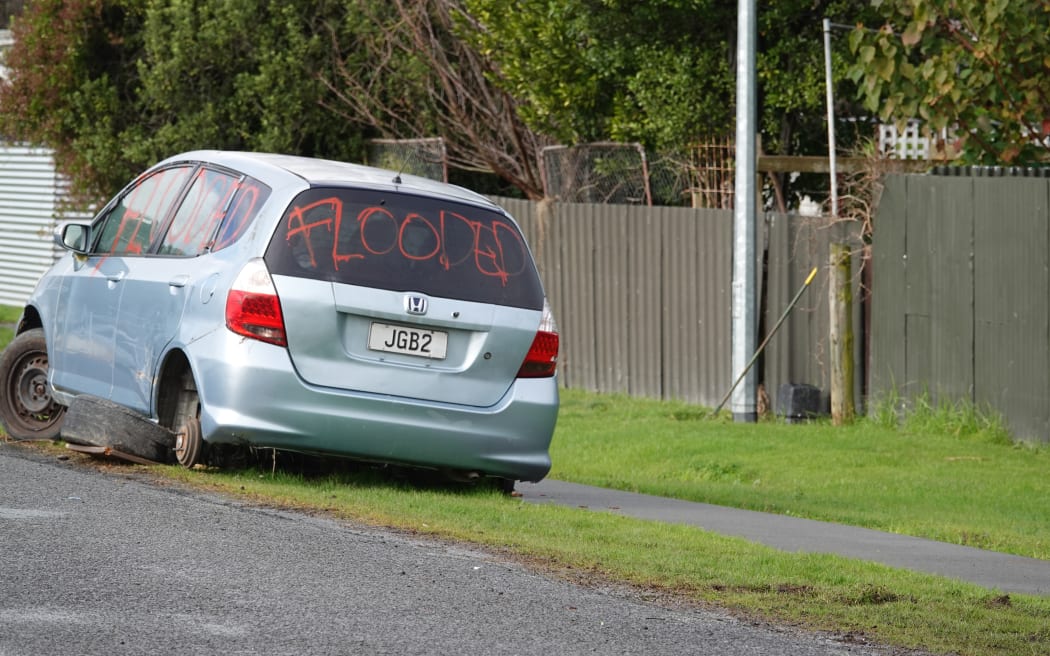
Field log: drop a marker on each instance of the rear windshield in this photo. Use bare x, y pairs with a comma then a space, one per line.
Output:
402, 242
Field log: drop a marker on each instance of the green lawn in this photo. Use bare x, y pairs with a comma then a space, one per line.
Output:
9, 314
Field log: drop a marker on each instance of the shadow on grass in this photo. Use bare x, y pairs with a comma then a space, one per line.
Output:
314, 469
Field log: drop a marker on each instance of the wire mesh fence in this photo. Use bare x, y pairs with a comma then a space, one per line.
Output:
701, 176
670, 180
423, 157
596, 173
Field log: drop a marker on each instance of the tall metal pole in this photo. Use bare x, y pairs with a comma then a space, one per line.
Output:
831, 119
745, 312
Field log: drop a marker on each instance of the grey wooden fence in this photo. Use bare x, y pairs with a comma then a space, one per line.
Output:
643, 296
961, 294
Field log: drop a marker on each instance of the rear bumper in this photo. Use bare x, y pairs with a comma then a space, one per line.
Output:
250, 393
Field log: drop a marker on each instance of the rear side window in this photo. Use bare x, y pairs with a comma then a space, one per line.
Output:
403, 242
214, 198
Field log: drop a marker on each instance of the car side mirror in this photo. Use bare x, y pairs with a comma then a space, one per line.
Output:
73, 237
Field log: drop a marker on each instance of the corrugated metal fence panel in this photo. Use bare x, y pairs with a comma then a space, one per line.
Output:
697, 304
716, 311
684, 364
799, 352
784, 364
1011, 281
29, 189
643, 319
612, 297
575, 230
641, 295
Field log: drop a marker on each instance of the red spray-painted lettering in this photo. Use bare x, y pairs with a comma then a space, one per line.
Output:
495, 247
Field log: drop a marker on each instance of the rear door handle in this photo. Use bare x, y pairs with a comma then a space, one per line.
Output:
179, 281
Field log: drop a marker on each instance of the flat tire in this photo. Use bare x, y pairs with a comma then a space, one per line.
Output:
98, 422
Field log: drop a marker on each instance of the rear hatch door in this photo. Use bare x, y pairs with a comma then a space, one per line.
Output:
404, 295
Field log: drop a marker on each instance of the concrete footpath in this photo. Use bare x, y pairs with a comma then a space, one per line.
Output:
990, 569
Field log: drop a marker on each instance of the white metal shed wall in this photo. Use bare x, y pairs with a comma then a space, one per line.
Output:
30, 192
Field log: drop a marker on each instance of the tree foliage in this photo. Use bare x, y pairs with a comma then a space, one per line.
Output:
72, 76
238, 74
791, 74
661, 72
115, 85
594, 70
978, 67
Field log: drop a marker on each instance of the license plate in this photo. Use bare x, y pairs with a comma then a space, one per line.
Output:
408, 340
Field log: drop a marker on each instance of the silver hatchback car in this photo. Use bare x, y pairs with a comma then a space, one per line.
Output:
296, 304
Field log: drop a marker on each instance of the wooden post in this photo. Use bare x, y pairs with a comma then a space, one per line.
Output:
840, 293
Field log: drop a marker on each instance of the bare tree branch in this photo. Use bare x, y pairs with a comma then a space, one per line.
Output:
448, 89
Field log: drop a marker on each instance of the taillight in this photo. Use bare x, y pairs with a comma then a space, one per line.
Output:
542, 358
252, 306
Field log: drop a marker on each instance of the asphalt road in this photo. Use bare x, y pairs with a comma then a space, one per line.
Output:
95, 563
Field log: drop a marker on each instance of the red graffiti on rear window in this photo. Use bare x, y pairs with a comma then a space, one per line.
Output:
330, 210
494, 247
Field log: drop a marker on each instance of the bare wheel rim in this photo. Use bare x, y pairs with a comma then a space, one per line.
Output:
188, 442
29, 399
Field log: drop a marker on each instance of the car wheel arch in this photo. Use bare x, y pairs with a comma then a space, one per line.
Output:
30, 320
170, 383
169, 380
178, 407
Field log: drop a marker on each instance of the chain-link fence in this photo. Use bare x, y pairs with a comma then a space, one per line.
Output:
596, 173
606, 172
700, 176
670, 179
422, 157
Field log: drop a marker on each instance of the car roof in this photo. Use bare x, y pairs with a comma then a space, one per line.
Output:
322, 173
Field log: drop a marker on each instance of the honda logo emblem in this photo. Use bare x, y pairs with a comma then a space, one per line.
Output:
415, 304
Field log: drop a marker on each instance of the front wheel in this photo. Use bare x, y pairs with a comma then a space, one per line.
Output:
27, 409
